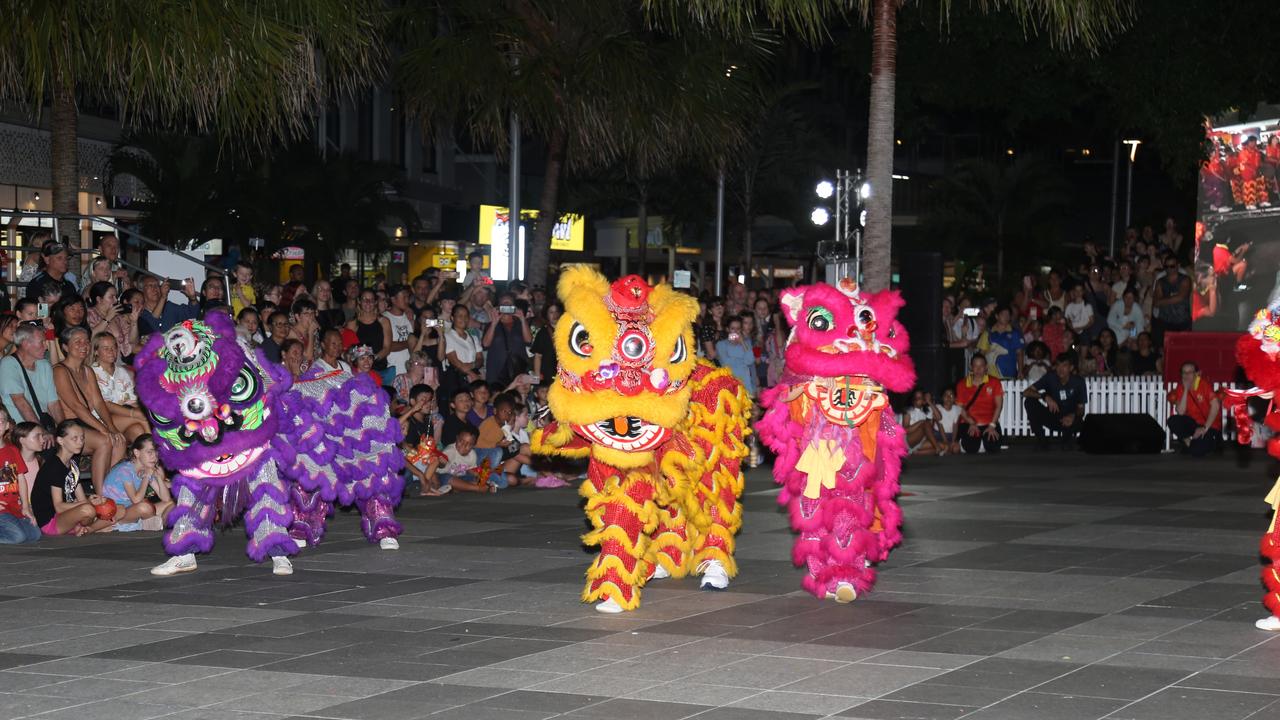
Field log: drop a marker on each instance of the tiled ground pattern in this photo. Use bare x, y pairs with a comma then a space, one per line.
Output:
1029, 586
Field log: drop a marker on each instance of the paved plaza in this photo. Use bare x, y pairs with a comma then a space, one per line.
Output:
1029, 586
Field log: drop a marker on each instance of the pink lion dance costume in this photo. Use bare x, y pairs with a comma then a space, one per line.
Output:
246, 440
1258, 352
839, 448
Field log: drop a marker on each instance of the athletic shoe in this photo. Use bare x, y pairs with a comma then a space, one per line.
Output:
608, 606
389, 544
176, 564
714, 576
301, 542
845, 593
280, 565
1270, 623
659, 572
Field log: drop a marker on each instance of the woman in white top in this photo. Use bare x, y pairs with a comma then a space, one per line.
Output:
948, 416
330, 359
1079, 314
463, 352
1126, 319
115, 382
922, 435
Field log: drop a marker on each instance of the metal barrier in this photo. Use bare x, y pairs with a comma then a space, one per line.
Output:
1124, 394
57, 225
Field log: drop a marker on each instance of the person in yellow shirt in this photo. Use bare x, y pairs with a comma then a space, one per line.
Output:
242, 294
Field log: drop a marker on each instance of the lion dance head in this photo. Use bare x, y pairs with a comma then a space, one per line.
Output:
626, 353
209, 400
850, 346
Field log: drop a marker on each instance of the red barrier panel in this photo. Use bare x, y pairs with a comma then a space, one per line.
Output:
1214, 352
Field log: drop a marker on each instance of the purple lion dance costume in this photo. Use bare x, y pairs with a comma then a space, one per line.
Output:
839, 448
245, 439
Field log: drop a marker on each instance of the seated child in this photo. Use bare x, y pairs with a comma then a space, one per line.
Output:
461, 465
420, 422
481, 394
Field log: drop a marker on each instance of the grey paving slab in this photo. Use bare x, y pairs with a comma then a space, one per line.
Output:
1046, 586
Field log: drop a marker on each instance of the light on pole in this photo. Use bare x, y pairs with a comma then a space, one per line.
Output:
1128, 201
820, 216
842, 255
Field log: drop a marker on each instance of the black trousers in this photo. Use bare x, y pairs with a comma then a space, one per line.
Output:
1040, 419
970, 444
1183, 427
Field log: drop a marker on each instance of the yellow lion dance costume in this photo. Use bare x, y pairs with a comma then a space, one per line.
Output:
663, 429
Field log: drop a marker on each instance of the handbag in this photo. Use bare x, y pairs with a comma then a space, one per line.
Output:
46, 420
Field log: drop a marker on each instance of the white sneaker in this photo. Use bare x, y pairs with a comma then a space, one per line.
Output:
714, 576
1270, 623
609, 606
389, 544
280, 565
659, 572
845, 593
301, 542
176, 564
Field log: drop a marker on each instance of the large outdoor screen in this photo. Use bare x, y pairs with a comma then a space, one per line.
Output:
1237, 251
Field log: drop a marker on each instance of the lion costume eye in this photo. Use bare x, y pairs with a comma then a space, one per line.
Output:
866, 317
244, 386
820, 319
680, 353
580, 341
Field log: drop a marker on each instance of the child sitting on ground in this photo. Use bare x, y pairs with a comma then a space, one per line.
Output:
462, 466
419, 421
481, 394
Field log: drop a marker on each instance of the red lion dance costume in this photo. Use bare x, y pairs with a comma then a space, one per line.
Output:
1258, 352
663, 429
839, 447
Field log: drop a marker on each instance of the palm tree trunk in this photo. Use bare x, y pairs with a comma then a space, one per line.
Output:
876, 239
540, 252
64, 159
748, 220
642, 229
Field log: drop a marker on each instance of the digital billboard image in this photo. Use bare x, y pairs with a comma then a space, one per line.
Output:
1237, 237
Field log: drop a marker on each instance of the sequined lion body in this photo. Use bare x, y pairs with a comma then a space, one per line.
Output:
246, 439
839, 448
663, 430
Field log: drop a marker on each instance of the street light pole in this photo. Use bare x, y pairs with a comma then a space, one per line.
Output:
719, 233
513, 202
1128, 201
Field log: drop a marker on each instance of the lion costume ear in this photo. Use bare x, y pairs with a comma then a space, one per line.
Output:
792, 301
575, 278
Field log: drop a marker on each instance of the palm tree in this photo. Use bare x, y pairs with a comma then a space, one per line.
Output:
1008, 206
246, 70
587, 78
1088, 22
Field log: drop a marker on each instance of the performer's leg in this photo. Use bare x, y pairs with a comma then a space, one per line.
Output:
269, 516
670, 543
622, 514
808, 550
848, 546
721, 517
191, 519
1271, 581
310, 515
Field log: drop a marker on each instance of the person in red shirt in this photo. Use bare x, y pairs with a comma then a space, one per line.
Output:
980, 397
1196, 421
17, 524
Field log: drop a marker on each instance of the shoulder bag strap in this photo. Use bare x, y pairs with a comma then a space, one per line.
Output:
35, 399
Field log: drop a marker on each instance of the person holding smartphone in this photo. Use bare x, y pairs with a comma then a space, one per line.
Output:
108, 315
506, 341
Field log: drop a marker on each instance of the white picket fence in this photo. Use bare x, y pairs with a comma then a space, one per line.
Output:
1132, 394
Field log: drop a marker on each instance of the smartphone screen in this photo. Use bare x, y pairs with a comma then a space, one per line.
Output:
42, 310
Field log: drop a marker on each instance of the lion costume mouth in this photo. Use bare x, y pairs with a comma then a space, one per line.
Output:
225, 465
626, 433
846, 400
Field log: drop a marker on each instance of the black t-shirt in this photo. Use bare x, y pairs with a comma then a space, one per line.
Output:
53, 475
452, 426
36, 286
1143, 364
1069, 395
419, 429
544, 344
